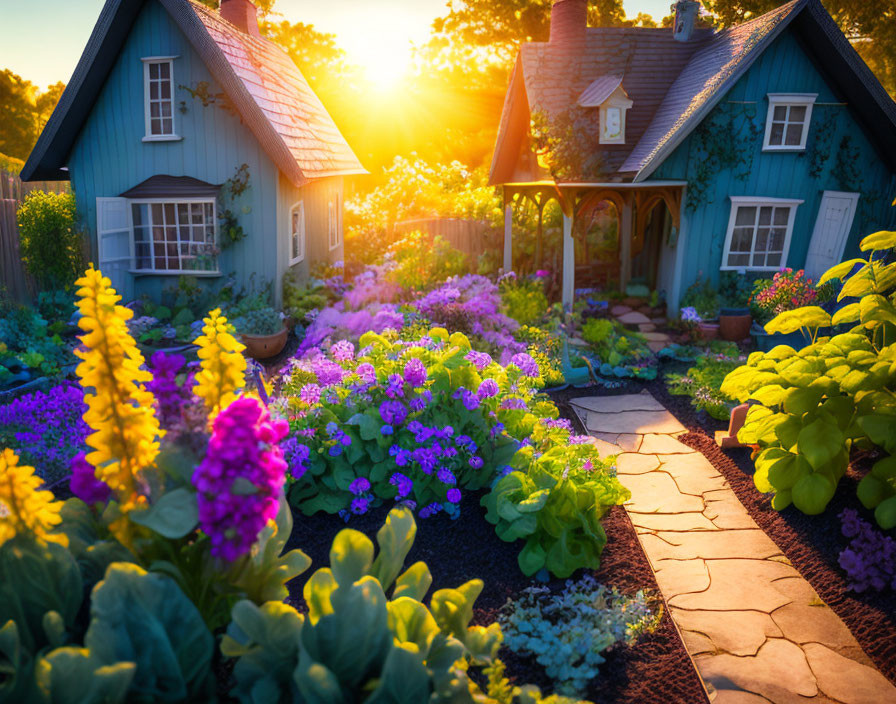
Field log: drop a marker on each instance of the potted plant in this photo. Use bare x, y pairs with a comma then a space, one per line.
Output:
262, 332
786, 290
703, 298
735, 319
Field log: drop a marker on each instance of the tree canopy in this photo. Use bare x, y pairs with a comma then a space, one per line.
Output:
24, 110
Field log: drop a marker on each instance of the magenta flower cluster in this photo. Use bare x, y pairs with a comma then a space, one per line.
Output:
243, 453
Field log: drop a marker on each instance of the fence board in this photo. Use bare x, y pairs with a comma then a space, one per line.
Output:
14, 279
472, 237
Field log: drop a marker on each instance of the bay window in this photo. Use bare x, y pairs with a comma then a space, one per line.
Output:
174, 236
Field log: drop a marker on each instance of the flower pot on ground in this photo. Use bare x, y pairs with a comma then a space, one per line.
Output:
764, 341
262, 332
734, 324
708, 330
265, 346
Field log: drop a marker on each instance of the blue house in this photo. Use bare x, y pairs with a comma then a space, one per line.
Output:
195, 146
766, 145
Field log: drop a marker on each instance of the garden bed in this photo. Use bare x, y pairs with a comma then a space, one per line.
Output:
656, 669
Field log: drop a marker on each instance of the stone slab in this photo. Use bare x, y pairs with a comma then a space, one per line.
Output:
779, 672
655, 492
726, 511
675, 577
802, 624
654, 522
736, 696
640, 422
646, 327
635, 463
653, 444
629, 442
693, 474
620, 310
633, 318
846, 680
736, 632
606, 449
615, 404
656, 337
751, 544
736, 585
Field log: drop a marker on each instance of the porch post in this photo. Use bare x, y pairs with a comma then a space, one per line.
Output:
625, 244
569, 263
508, 235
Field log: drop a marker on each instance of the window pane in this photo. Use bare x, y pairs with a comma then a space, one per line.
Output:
197, 213
761, 240
166, 90
183, 213
140, 214
745, 216
794, 135
780, 113
741, 239
765, 215
155, 109
759, 259
166, 108
157, 216
782, 215
797, 113
776, 241
777, 134
165, 70
154, 71
153, 90
169, 214
773, 260
738, 260
295, 246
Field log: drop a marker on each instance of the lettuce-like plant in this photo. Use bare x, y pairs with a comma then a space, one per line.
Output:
812, 406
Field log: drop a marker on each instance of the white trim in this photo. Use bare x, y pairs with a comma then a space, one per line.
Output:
149, 61
759, 201
334, 236
301, 256
788, 100
170, 201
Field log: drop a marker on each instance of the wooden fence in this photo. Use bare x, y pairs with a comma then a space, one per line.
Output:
14, 279
472, 237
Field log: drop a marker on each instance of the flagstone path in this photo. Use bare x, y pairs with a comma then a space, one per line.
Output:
755, 629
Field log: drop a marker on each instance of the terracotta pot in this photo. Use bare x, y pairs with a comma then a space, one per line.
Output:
735, 328
265, 346
708, 331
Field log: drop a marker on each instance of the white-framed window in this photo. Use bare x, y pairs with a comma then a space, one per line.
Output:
174, 236
788, 120
759, 232
158, 98
297, 233
334, 234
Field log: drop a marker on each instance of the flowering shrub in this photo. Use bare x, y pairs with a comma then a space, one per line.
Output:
418, 260
619, 352
567, 632
410, 421
786, 290
870, 559
703, 382
524, 298
46, 428
816, 404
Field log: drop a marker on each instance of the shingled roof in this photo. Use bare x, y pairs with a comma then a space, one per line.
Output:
266, 88
674, 85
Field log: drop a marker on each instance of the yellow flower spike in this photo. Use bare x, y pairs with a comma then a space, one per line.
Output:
223, 367
120, 410
24, 506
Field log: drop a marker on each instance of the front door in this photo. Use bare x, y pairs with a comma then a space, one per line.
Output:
832, 227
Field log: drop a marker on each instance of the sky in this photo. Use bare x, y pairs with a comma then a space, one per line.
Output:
41, 40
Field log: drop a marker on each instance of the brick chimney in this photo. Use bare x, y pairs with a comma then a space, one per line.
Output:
242, 14
569, 20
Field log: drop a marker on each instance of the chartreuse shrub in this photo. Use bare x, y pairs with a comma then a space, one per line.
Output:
567, 632
814, 405
369, 635
51, 242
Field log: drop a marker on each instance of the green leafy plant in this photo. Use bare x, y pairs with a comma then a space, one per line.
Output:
262, 321
51, 242
735, 289
703, 297
620, 352
814, 405
299, 300
524, 299
703, 382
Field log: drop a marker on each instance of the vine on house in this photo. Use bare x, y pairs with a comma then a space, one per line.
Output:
231, 230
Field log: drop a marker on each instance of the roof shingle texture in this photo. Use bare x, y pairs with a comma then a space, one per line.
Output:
285, 98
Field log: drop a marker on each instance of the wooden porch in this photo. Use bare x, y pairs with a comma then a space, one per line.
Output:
633, 203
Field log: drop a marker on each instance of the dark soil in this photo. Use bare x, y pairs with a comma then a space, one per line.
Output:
811, 543
655, 670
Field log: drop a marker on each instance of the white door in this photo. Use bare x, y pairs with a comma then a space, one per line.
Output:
832, 227
113, 232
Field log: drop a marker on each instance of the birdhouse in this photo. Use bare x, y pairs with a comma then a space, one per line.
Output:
685, 19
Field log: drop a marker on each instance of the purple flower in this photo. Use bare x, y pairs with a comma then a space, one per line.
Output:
403, 483
430, 510
359, 486
296, 455
367, 373
335, 451
487, 389
513, 404
454, 495
446, 476
393, 412
542, 273
343, 351
84, 483
360, 505
476, 462
387, 429
243, 446
480, 360
328, 373
310, 394
557, 423
525, 363
415, 372
168, 394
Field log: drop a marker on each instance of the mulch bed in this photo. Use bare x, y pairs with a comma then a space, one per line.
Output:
811, 543
657, 670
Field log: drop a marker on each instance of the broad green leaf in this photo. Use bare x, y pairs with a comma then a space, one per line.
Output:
885, 469
807, 317
769, 395
839, 271
819, 442
782, 500
787, 471
395, 540
414, 582
876, 308
173, 516
881, 429
812, 493
764, 461
847, 314
885, 239
800, 401
885, 513
351, 556
871, 491
72, 675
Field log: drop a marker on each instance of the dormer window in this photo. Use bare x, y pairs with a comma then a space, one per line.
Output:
788, 120
607, 94
158, 98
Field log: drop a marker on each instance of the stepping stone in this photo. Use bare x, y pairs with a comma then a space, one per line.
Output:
658, 321
633, 318
726, 512
630, 442
740, 633
693, 474
682, 576
616, 404
677, 522
736, 585
751, 544
653, 444
655, 492
646, 327
655, 347
802, 623
616, 311
636, 463
846, 680
604, 448
697, 643
779, 672
639, 422
737, 696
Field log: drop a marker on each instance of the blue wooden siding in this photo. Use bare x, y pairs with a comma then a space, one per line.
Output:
109, 156
783, 68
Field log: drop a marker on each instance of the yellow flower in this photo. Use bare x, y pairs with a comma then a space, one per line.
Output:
223, 367
120, 410
24, 506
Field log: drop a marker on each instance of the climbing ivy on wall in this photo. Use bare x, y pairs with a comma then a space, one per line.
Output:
231, 230
727, 139
821, 137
